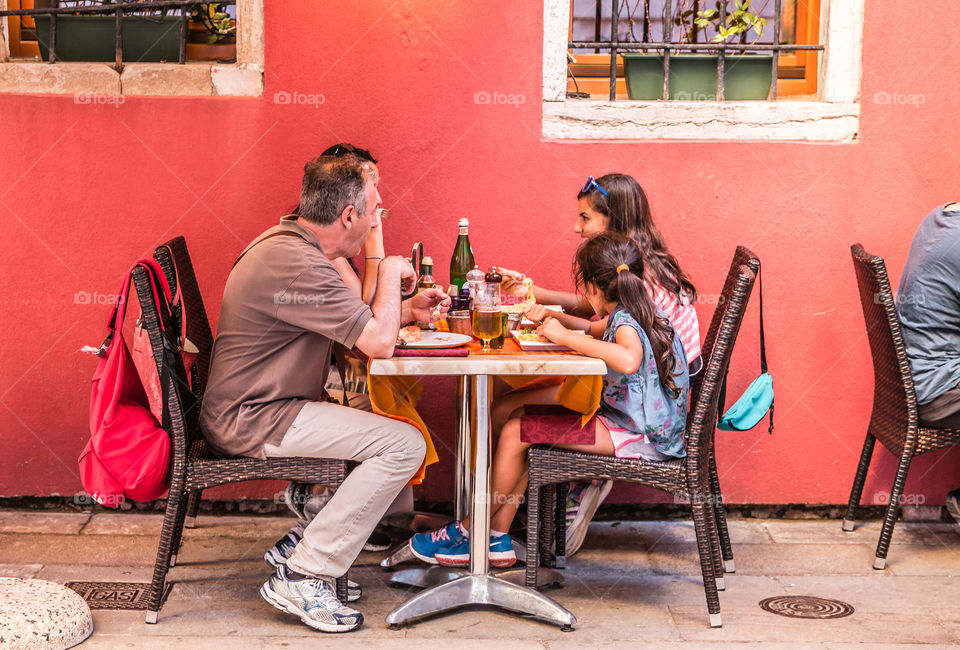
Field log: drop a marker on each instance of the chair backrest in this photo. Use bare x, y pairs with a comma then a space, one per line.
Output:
181, 407
894, 399
174, 259
702, 418
741, 257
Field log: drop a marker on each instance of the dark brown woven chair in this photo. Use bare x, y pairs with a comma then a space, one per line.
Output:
557, 521
689, 478
193, 468
894, 421
174, 259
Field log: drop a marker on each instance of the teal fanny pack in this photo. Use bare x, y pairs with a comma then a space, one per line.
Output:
757, 400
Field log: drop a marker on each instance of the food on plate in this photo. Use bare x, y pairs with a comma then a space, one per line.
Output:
527, 303
409, 334
531, 336
528, 335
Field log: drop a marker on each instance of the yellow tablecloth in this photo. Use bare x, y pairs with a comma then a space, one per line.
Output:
397, 397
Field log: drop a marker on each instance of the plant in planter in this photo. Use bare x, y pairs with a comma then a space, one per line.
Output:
149, 34
212, 34
693, 76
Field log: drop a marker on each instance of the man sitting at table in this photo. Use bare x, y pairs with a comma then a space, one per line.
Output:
284, 306
928, 305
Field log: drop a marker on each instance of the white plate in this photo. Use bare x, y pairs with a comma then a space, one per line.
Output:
538, 345
439, 340
526, 322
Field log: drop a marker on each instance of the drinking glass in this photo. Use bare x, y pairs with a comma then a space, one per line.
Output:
487, 322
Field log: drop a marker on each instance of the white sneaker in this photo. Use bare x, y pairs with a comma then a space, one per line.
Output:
314, 600
278, 555
590, 500
953, 504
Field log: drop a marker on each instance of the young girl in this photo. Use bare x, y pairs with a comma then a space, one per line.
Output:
612, 203
642, 412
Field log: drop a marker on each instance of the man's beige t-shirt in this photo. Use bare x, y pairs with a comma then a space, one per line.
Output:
283, 305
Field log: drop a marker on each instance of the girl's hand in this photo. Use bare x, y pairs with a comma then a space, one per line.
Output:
553, 330
538, 313
511, 283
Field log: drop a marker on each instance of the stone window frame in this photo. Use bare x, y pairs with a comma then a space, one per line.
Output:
192, 79
834, 116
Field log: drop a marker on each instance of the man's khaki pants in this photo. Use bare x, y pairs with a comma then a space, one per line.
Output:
389, 452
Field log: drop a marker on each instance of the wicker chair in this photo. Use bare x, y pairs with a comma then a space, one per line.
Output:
690, 477
557, 520
173, 256
193, 468
894, 421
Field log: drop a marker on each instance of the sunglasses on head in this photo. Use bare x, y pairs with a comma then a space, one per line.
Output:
344, 149
590, 184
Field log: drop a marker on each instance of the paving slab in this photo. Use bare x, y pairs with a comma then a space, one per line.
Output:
882, 592
772, 559
22, 571
42, 523
758, 625
819, 532
646, 535
136, 523
924, 561
634, 584
950, 617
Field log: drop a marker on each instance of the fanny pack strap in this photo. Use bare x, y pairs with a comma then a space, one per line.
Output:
763, 362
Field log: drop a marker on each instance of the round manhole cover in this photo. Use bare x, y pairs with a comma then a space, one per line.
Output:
806, 607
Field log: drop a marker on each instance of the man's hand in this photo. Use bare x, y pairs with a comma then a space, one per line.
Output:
553, 330
426, 307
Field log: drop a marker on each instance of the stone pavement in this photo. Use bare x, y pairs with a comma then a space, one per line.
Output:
632, 584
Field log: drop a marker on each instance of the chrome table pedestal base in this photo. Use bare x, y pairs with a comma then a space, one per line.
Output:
481, 589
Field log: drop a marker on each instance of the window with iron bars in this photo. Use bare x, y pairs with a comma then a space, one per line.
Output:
706, 51
173, 31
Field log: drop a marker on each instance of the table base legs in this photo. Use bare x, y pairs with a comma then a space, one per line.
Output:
423, 577
481, 589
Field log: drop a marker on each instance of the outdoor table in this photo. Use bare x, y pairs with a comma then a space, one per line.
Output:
479, 586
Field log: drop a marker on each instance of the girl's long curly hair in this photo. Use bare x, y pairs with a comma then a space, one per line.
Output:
628, 213
596, 263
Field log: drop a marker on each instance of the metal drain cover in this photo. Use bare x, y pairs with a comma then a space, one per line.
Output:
116, 595
806, 607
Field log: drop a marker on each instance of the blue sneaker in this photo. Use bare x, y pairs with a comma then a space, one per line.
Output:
426, 545
501, 553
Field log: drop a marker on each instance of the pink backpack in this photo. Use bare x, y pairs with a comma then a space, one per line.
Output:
128, 455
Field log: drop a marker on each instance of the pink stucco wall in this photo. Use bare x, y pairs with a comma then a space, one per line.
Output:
86, 189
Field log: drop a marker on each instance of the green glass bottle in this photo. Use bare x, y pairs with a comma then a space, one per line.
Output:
462, 260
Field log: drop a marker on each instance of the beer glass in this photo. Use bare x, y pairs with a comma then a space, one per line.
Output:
487, 322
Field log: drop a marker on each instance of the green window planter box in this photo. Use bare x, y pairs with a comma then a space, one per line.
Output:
92, 38
694, 76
